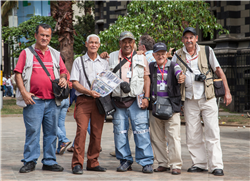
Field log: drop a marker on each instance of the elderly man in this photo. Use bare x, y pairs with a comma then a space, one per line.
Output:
146, 44
36, 96
199, 100
167, 79
86, 106
133, 70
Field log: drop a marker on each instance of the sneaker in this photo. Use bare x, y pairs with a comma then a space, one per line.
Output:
54, 168
147, 169
28, 167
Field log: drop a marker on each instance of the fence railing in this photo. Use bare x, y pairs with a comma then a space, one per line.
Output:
237, 70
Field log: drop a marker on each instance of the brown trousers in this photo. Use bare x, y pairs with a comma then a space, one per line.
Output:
86, 108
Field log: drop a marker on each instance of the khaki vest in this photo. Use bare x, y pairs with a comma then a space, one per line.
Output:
27, 72
137, 80
203, 67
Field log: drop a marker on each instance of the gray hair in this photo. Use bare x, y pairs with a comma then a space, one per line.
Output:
93, 35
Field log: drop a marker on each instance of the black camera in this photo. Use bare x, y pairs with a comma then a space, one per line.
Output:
172, 52
125, 87
200, 77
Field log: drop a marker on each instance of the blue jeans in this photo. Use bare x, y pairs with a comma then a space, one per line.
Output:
139, 122
87, 130
9, 91
61, 132
44, 113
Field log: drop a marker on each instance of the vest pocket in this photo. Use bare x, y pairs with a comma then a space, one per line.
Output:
209, 89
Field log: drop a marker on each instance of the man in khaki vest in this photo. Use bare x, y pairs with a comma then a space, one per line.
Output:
199, 100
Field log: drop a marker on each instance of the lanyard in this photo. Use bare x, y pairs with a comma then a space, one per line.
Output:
192, 59
162, 73
128, 59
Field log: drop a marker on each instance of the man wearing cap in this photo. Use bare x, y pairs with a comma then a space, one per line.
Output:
169, 75
200, 100
133, 70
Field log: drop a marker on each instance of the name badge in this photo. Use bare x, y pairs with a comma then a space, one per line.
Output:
162, 86
129, 74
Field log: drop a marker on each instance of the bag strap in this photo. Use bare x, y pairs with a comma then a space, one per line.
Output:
122, 63
155, 80
184, 63
85, 73
208, 64
40, 61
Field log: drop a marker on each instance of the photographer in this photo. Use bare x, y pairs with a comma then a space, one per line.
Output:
198, 94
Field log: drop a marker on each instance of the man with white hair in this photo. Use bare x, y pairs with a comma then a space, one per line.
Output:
86, 106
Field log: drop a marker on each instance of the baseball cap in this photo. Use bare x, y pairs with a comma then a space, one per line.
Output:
189, 29
159, 46
126, 34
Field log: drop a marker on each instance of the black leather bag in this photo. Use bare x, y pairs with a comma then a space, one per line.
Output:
60, 92
219, 89
162, 108
104, 104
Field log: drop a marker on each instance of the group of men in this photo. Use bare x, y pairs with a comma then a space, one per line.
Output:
173, 79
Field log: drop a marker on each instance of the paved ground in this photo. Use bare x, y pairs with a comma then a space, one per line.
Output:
235, 146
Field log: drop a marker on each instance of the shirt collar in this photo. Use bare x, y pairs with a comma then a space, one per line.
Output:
86, 58
197, 49
148, 52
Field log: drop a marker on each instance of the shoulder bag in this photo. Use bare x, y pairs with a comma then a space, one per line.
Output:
161, 108
58, 91
104, 104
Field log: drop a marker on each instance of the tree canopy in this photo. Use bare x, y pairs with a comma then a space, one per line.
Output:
163, 20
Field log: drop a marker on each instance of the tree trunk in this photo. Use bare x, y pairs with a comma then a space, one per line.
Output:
64, 26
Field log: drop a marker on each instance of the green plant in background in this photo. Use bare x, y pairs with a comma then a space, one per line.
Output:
26, 31
163, 20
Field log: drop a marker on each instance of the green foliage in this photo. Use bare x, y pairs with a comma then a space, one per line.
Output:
27, 29
85, 26
163, 20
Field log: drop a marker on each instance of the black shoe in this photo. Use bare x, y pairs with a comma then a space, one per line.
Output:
218, 172
147, 169
77, 169
54, 168
196, 169
125, 166
28, 167
97, 168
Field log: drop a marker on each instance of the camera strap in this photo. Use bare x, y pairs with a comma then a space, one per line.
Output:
85, 73
184, 63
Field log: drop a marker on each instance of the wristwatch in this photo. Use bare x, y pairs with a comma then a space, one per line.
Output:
147, 98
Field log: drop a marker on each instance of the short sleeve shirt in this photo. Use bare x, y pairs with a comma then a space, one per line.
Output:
92, 68
40, 84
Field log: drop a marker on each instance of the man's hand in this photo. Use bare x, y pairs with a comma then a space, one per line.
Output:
94, 94
62, 82
227, 98
144, 104
140, 53
182, 77
27, 97
104, 55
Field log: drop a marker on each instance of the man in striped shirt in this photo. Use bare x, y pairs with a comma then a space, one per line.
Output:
169, 75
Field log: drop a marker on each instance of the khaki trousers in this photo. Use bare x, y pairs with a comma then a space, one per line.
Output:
86, 108
162, 132
208, 150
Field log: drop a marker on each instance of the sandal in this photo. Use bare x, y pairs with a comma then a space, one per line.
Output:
63, 147
71, 149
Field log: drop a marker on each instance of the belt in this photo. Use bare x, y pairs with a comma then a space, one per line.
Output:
87, 96
124, 99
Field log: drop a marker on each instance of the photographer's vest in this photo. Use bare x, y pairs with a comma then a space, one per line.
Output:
203, 67
137, 79
27, 72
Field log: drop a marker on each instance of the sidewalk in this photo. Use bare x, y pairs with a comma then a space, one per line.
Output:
235, 146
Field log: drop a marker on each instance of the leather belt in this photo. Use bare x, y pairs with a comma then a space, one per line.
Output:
87, 96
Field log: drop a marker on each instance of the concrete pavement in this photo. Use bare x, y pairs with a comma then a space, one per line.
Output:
234, 140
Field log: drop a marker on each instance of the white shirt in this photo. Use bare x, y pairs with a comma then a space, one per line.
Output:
196, 89
92, 68
8, 82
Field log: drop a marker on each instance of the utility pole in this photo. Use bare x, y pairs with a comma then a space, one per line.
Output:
1, 61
